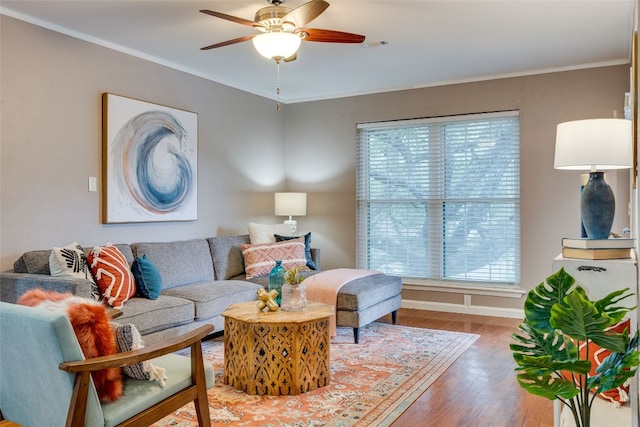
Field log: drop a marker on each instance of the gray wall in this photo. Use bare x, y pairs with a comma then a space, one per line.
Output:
325, 132
51, 131
51, 143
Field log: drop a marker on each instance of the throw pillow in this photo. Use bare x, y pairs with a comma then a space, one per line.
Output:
128, 338
261, 258
92, 326
69, 260
263, 233
148, 279
111, 271
307, 247
596, 356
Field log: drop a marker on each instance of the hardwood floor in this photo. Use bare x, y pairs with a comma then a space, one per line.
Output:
480, 388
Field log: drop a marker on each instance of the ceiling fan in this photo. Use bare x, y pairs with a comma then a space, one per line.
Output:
281, 29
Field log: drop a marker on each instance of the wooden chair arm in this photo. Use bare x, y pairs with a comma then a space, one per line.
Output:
137, 356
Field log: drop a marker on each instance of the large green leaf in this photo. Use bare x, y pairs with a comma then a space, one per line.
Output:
537, 307
606, 304
579, 318
548, 386
531, 342
558, 315
617, 368
541, 357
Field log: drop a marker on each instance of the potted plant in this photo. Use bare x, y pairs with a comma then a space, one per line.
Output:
559, 320
294, 295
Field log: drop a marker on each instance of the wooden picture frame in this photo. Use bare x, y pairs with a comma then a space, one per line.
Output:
634, 106
149, 162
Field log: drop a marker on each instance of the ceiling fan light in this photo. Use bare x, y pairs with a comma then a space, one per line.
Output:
277, 45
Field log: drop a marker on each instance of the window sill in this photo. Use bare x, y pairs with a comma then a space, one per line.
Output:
469, 288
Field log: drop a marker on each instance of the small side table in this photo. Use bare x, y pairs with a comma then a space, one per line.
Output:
276, 353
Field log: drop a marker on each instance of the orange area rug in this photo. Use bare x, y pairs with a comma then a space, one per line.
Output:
372, 383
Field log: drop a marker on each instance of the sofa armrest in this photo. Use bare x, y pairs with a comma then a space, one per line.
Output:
315, 256
13, 285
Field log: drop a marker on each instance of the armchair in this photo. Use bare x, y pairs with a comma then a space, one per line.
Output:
46, 381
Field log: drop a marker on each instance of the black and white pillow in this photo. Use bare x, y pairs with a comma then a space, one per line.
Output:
128, 338
71, 261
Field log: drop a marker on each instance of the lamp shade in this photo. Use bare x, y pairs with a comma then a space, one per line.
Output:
591, 145
277, 45
594, 144
291, 204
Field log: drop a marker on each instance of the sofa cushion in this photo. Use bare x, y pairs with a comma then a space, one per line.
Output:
155, 315
180, 262
361, 293
213, 298
37, 262
227, 256
33, 262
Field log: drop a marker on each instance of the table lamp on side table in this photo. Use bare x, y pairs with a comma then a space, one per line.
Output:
595, 145
290, 204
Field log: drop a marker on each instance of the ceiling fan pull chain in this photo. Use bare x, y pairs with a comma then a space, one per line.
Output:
278, 86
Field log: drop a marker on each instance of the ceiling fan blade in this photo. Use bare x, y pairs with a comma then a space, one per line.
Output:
306, 13
232, 18
329, 36
228, 42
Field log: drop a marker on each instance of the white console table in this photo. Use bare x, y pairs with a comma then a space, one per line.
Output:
599, 278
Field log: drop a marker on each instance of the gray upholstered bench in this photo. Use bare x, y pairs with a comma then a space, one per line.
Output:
366, 299
359, 302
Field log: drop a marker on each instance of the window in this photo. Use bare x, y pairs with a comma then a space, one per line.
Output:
440, 198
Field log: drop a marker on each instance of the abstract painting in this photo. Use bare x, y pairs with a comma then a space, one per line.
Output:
150, 161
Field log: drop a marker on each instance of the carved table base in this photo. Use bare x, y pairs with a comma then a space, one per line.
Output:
276, 353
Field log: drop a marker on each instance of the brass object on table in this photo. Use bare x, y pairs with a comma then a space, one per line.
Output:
267, 299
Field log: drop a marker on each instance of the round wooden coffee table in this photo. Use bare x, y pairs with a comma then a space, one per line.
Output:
276, 353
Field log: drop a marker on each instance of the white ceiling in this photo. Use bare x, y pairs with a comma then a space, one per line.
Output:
430, 42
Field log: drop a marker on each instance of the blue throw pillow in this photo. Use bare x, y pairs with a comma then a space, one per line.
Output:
307, 247
148, 279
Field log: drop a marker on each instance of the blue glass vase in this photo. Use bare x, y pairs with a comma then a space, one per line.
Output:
276, 279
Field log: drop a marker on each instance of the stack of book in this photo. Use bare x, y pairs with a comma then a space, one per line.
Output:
613, 248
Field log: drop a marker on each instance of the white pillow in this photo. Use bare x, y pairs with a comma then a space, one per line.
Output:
264, 233
69, 260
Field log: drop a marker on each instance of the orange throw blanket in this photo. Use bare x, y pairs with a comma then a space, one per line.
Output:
324, 286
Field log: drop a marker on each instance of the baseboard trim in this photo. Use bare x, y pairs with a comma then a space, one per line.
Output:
513, 313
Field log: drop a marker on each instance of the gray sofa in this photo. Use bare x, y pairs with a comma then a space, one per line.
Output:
200, 279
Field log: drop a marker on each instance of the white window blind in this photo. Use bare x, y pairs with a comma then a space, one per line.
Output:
440, 198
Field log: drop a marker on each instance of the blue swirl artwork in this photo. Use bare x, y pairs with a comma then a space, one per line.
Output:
153, 167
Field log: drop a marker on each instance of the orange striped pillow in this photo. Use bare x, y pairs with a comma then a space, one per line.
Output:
259, 259
113, 276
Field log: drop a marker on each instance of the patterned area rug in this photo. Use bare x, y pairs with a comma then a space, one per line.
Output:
372, 383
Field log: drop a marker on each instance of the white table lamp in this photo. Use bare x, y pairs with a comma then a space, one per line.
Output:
291, 204
595, 145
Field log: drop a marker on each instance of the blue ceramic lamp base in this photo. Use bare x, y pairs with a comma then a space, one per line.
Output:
597, 207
